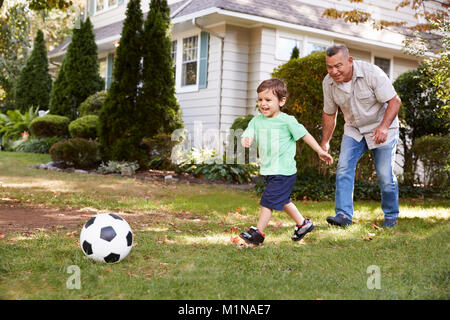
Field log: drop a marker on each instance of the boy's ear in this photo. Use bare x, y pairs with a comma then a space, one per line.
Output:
282, 101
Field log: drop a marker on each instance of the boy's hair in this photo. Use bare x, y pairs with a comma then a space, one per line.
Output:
277, 86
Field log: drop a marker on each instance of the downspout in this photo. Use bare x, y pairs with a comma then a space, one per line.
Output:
222, 38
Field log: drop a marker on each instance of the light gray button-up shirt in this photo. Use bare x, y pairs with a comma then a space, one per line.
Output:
363, 103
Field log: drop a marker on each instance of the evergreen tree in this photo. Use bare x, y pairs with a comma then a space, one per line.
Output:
158, 103
81, 72
295, 53
120, 135
34, 82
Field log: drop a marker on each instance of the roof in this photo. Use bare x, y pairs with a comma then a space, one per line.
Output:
293, 12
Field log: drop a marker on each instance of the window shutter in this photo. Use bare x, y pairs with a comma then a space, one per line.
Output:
204, 48
91, 7
119, 2
109, 70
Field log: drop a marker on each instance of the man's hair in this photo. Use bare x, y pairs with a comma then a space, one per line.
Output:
277, 86
334, 49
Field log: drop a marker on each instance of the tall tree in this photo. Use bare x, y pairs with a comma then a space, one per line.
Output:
158, 104
81, 72
14, 47
34, 83
120, 135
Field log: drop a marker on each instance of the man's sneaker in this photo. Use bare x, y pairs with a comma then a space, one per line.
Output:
389, 223
301, 231
253, 236
339, 220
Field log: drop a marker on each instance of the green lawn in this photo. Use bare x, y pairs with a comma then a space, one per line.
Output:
184, 249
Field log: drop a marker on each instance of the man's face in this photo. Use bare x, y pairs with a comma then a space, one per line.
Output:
340, 67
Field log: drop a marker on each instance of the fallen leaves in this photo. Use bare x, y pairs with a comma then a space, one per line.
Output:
374, 226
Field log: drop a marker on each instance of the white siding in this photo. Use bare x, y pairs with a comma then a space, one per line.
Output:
403, 65
235, 75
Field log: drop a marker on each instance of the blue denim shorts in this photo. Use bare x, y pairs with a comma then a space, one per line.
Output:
278, 191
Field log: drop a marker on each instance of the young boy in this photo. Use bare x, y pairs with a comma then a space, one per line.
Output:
276, 134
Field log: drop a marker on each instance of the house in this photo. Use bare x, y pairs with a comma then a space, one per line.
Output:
224, 48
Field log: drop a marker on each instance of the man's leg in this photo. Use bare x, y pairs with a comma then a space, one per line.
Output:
351, 152
384, 164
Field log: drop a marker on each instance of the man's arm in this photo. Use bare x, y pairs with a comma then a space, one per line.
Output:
328, 126
381, 132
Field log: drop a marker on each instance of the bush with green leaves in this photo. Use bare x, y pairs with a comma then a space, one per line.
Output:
311, 185
92, 104
13, 124
303, 78
50, 125
37, 145
160, 151
77, 152
205, 164
84, 127
434, 153
118, 167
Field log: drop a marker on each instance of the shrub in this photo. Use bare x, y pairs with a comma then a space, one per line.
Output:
13, 124
160, 151
303, 78
201, 164
80, 153
118, 167
92, 104
84, 127
434, 153
37, 145
50, 125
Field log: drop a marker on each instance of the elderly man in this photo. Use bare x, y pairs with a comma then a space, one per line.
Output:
370, 106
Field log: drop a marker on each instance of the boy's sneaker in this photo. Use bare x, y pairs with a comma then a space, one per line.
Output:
253, 236
301, 231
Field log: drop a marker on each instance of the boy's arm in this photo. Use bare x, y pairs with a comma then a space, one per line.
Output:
324, 156
248, 135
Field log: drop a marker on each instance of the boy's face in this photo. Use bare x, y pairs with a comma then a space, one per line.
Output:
269, 104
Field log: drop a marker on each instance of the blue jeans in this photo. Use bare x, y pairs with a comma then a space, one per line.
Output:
384, 157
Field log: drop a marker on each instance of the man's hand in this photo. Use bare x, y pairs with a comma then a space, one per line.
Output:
246, 142
325, 146
380, 134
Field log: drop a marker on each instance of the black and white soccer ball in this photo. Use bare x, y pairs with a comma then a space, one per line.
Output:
106, 238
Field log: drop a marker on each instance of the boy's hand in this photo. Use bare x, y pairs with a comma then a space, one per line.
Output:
246, 142
325, 157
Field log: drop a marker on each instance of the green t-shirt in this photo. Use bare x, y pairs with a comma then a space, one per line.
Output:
276, 140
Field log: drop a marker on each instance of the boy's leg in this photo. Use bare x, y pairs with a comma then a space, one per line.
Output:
264, 218
293, 212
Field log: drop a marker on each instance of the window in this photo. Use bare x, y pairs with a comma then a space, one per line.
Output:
384, 64
189, 63
174, 57
313, 47
285, 47
102, 5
